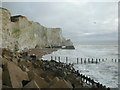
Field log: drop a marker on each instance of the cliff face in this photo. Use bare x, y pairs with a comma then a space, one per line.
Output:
18, 33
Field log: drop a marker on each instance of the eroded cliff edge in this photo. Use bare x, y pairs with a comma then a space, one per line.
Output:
18, 33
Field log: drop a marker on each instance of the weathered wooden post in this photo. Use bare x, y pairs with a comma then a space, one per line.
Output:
77, 61
86, 79
104, 86
81, 60
66, 60
99, 60
51, 58
102, 59
108, 88
59, 59
82, 76
92, 60
55, 58
112, 60
96, 61
101, 86
77, 71
92, 81
88, 60
85, 61
98, 84
115, 60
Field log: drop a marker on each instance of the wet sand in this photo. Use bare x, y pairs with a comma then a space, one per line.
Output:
40, 52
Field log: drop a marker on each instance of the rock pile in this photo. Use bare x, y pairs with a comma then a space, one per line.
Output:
21, 72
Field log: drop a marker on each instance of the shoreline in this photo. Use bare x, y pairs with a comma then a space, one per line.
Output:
52, 73
41, 52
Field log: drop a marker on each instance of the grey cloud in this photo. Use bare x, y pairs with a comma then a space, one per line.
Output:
75, 19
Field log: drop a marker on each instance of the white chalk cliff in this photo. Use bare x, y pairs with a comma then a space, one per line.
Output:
18, 32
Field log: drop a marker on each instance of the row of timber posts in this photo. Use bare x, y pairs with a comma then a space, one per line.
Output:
84, 60
115, 60
90, 61
90, 81
84, 78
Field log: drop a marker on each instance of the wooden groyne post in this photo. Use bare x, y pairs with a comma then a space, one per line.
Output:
112, 60
92, 60
115, 60
85, 61
77, 61
66, 60
81, 60
59, 59
51, 58
102, 59
88, 60
99, 60
55, 58
96, 61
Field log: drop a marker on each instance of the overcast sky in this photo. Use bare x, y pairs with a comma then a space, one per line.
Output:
88, 22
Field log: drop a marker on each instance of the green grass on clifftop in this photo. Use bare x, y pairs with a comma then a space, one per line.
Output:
16, 33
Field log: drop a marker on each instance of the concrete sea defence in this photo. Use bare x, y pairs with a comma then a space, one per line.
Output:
23, 70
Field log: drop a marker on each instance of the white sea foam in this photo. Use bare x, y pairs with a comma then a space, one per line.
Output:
104, 72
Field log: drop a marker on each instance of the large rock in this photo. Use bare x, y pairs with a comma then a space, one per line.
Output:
4, 86
15, 60
60, 83
15, 75
6, 77
31, 84
39, 80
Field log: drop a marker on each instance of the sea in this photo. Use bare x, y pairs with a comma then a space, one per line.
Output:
105, 72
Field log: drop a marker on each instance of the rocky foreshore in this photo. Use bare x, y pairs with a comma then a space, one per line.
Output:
25, 70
